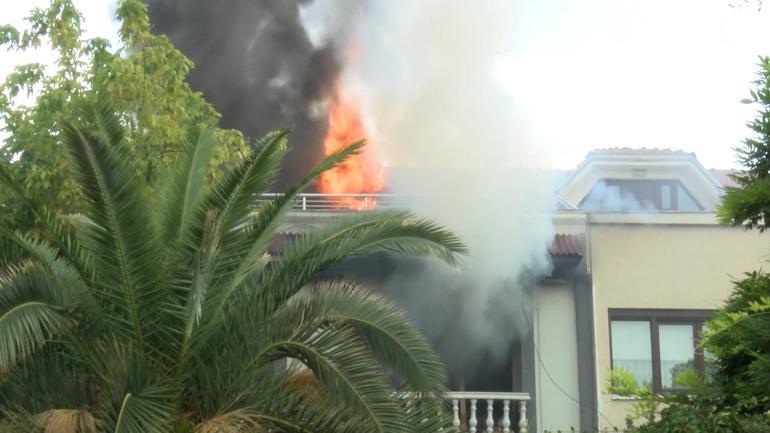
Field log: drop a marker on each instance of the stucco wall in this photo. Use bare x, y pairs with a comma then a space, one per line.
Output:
662, 266
556, 367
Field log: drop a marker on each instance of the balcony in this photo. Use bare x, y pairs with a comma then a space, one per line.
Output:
317, 202
476, 412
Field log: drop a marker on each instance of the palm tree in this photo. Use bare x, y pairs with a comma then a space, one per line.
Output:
160, 310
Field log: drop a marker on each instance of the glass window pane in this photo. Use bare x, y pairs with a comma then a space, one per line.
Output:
665, 196
709, 360
677, 353
686, 202
631, 349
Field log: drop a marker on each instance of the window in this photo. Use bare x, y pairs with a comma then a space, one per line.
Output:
665, 196
657, 345
639, 195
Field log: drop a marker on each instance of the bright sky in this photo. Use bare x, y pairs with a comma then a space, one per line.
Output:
638, 73
599, 73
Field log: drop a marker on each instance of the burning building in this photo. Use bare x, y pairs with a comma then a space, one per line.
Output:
638, 263
560, 286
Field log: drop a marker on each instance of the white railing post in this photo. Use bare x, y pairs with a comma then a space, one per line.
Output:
490, 417
366, 203
455, 413
304, 202
506, 416
472, 421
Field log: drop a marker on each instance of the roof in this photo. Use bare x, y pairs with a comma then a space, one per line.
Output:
567, 245
723, 176
643, 151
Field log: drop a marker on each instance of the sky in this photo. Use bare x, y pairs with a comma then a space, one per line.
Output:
597, 73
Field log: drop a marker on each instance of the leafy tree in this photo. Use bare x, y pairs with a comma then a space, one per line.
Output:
144, 78
748, 204
168, 314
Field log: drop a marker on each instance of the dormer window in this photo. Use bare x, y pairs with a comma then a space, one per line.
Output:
639, 195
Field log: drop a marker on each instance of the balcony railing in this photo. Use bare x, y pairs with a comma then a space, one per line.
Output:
317, 202
466, 411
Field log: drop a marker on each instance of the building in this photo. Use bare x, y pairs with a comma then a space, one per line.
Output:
639, 262
653, 264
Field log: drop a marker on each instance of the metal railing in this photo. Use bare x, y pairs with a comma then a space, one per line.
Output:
318, 202
465, 408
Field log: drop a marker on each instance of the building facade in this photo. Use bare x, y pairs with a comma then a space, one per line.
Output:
639, 263
654, 263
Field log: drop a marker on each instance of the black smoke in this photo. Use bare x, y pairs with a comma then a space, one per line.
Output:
256, 64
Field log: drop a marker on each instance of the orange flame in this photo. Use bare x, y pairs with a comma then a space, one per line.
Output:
359, 174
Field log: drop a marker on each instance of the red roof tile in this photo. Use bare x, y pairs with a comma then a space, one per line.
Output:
567, 245
723, 176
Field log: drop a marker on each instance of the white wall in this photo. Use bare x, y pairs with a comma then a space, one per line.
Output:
556, 340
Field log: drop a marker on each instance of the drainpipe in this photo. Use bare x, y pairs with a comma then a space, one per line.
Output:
586, 344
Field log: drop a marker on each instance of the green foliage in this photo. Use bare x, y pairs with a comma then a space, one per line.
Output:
739, 337
702, 408
159, 309
702, 411
144, 78
620, 381
748, 204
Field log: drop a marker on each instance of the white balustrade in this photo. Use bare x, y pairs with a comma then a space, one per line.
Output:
502, 399
506, 416
455, 413
321, 202
490, 417
523, 417
473, 422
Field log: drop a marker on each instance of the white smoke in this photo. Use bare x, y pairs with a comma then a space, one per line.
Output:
444, 125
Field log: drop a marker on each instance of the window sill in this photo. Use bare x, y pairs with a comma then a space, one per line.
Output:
618, 397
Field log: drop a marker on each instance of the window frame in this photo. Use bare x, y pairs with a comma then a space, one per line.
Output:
651, 190
657, 317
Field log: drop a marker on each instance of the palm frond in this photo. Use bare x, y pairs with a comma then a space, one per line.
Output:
369, 232
235, 421
243, 255
134, 392
127, 247
426, 413
146, 412
44, 254
183, 190
31, 311
344, 368
27, 326
234, 195
389, 335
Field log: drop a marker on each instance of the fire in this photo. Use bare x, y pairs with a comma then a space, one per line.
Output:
359, 174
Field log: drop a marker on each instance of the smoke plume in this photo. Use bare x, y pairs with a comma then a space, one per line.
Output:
426, 74
255, 61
